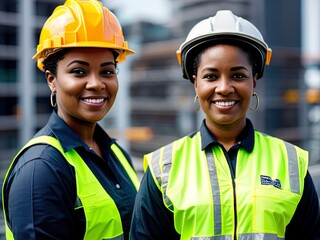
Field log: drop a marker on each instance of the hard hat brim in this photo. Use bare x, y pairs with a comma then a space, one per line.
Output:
122, 52
44, 52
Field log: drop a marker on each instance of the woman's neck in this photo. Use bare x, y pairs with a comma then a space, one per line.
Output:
227, 135
86, 132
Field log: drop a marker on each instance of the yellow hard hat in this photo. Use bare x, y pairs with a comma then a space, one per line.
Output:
81, 23
223, 27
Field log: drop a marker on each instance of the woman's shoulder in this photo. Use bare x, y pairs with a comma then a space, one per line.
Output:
275, 139
42, 157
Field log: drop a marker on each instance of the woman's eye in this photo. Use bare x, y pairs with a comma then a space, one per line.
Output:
239, 76
78, 72
108, 72
210, 76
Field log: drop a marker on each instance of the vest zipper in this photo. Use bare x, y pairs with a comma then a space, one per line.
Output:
232, 171
235, 208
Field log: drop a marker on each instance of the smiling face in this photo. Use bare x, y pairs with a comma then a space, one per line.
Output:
224, 84
86, 85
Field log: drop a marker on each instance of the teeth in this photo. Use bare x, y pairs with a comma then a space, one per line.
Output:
225, 104
100, 100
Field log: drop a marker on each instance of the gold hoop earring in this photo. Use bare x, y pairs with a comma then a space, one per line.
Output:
196, 103
257, 102
53, 100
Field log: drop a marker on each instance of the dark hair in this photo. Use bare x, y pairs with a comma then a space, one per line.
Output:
252, 56
50, 63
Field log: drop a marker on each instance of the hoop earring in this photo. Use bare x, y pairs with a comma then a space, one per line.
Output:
257, 102
53, 99
196, 103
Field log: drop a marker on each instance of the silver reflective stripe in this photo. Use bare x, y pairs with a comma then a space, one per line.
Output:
227, 237
156, 166
215, 192
163, 175
166, 163
259, 236
293, 168
247, 236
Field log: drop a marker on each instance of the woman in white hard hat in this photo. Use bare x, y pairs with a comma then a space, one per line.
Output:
226, 181
73, 181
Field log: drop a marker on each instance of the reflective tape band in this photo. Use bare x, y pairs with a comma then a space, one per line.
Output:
247, 236
293, 168
163, 157
227, 237
166, 163
259, 236
156, 165
215, 191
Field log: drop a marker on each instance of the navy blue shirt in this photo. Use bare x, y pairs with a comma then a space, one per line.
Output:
149, 202
41, 190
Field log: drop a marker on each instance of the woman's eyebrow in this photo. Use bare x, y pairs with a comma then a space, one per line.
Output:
87, 64
238, 68
78, 61
107, 63
211, 69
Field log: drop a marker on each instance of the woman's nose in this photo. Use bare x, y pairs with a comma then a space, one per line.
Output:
94, 82
224, 86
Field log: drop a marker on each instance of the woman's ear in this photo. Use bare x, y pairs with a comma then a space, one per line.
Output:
255, 78
194, 82
51, 80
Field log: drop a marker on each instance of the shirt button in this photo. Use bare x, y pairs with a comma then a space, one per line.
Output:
118, 186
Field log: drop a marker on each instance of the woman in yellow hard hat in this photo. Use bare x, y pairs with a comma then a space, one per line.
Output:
227, 180
73, 181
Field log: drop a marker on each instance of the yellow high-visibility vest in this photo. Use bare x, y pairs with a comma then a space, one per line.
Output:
207, 202
102, 216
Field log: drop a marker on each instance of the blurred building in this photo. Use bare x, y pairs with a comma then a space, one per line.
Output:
11, 87
161, 99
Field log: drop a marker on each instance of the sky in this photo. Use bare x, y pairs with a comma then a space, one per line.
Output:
152, 10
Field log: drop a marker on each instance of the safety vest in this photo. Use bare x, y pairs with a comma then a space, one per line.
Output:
207, 203
102, 216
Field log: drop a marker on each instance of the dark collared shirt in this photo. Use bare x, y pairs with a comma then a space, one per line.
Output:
41, 190
149, 202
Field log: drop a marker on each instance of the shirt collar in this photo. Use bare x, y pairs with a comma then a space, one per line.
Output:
68, 138
246, 137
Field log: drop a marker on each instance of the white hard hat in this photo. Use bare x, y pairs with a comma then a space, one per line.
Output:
223, 27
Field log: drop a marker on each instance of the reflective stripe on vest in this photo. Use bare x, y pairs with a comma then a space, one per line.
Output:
99, 208
255, 236
197, 186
